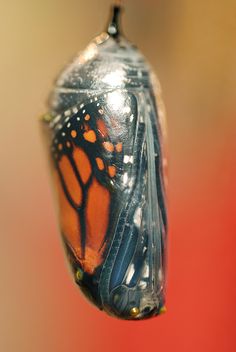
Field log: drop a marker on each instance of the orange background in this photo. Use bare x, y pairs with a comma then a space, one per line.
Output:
191, 45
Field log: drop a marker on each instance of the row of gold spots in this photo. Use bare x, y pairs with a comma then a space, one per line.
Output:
134, 312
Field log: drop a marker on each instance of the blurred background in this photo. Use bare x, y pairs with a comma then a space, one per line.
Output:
191, 45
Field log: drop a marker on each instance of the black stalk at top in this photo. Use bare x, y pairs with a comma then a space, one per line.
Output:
114, 26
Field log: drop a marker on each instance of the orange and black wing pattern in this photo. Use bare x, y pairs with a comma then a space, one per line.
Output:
107, 168
88, 152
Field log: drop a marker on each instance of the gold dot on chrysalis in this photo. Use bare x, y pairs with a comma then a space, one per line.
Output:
162, 310
79, 275
47, 117
134, 311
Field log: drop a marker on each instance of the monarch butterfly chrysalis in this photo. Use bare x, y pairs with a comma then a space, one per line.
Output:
105, 129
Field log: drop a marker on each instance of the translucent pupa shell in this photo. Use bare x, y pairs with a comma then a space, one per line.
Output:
105, 128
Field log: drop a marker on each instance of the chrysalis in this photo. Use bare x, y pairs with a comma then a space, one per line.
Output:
105, 131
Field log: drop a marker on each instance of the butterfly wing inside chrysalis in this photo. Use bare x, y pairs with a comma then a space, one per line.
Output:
88, 154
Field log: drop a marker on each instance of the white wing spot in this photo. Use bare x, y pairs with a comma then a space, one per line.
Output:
138, 217
67, 113
130, 274
143, 284
125, 178
146, 271
128, 159
57, 118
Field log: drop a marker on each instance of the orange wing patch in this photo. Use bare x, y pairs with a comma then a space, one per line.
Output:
68, 218
119, 147
96, 212
83, 164
100, 163
108, 146
73, 134
90, 136
102, 127
97, 216
112, 170
70, 179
